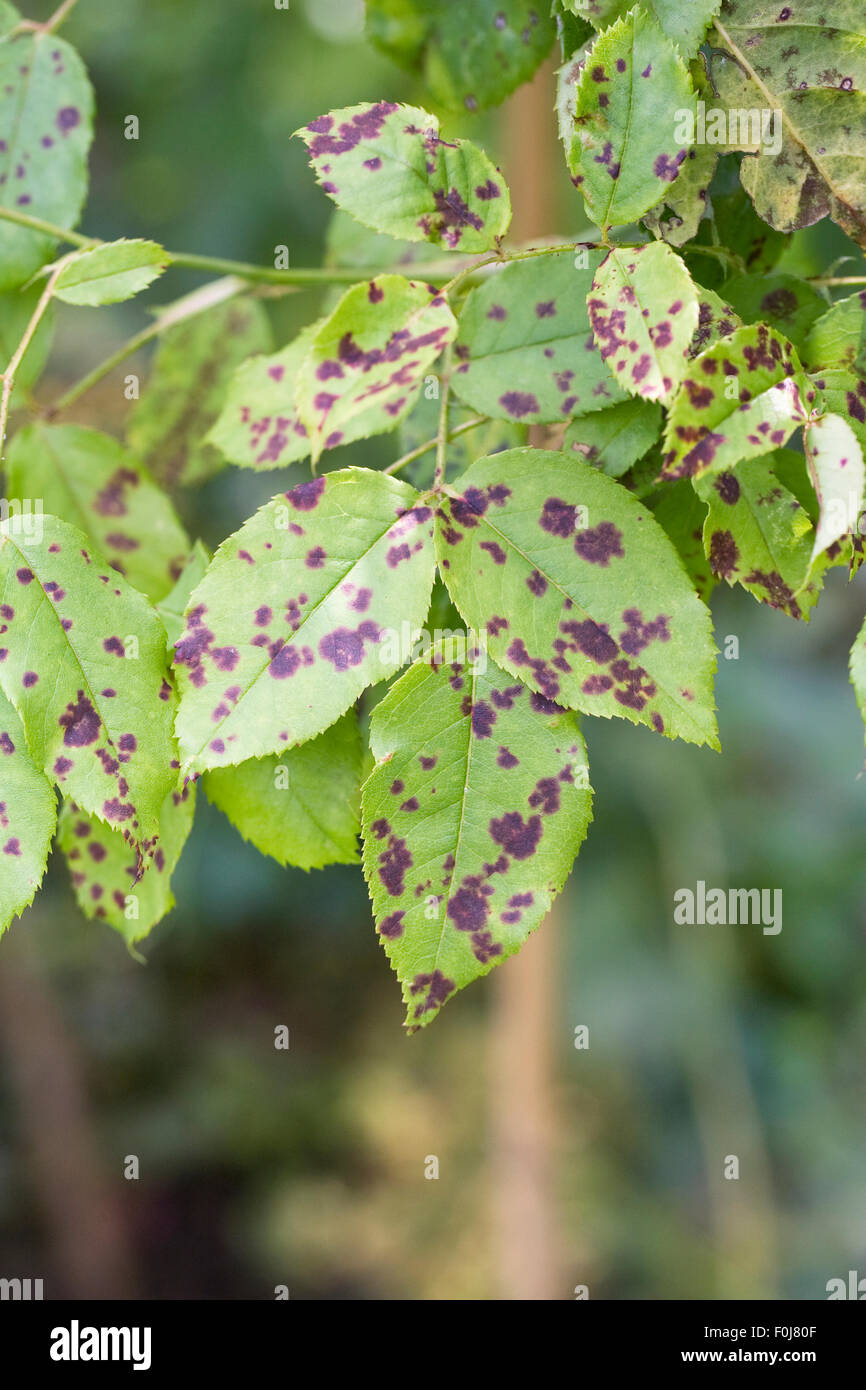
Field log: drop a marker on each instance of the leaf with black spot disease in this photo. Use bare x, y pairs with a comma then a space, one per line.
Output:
28, 813
172, 608
743, 397
193, 366
805, 61
471, 56
857, 667
624, 152
525, 350
46, 126
615, 438
838, 338
110, 882
758, 535
367, 361
580, 592
678, 215
684, 21
838, 474
90, 479
299, 611
259, 426
473, 814
643, 307
785, 301
716, 320
387, 165
111, 272
16, 311
277, 803
83, 661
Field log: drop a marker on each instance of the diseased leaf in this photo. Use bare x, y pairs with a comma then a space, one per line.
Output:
716, 320
191, 371
805, 61
83, 662
368, 360
96, 484
46, 125
624, 152
107, 875
684, 21
470, 55
386, 165
838, 474
643, 308
28, 812
758, 535
743, 397
677, 216
580, 593
109, 273
476, 808
259, 426
615, 438
838, 338
171, 609
279, 804
788, 303
16, 310
300, 611
525, 349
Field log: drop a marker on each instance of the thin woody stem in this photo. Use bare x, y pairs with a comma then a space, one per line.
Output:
8, 376
433, 443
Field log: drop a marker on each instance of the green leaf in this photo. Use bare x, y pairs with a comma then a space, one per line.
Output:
677, 216
259, 426
476, 808
788, 303
9, 17
368, 360
681, 513
97, 485
836, 467
743, 397
83, 662
684, 21
109, 880
758, 535
838, 338
742, 231
615, 438
16, 310
300, 611
28, 812
643, 308
109, 273
46, 116
386, 165
277, 802
572, 579
806, 61
172, 608
624, 153
525, 349
191, 371
470, 55
858, 670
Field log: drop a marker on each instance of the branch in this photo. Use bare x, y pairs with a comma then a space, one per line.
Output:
8, 377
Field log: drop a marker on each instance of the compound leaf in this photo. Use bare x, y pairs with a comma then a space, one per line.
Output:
28, 812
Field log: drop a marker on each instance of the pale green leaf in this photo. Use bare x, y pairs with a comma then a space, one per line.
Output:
838, 338
838, 475
109, 273
684, 21
259, 426
28, 812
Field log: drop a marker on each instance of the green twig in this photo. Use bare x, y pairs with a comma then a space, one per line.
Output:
8, 376
433, 443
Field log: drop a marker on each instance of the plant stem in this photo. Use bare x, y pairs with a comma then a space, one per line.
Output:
217, 292
839, 280
58, 17
433, 443
8, 376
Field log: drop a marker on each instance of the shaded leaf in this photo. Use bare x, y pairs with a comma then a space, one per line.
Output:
28, 812
97, 485
788, 303
580, 593
476, 808
680, 513
277, 802
386, 165
615, 438
299, 612
109, 273
838, 338
422, 425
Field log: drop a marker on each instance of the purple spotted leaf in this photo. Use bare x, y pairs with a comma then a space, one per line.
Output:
835, 459
743, 397
276, 802
623, 151
677, 216
110, 882
473, 814
471, 56
716, 320
83, 661
368, 360
580, 592
616, 438
28, 812
259, 425
790, 304
387, 165
299, 611
90, 479
46, 125
172, 608
525, 350
643, 307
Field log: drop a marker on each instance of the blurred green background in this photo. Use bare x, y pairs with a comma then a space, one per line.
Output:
558, 1167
